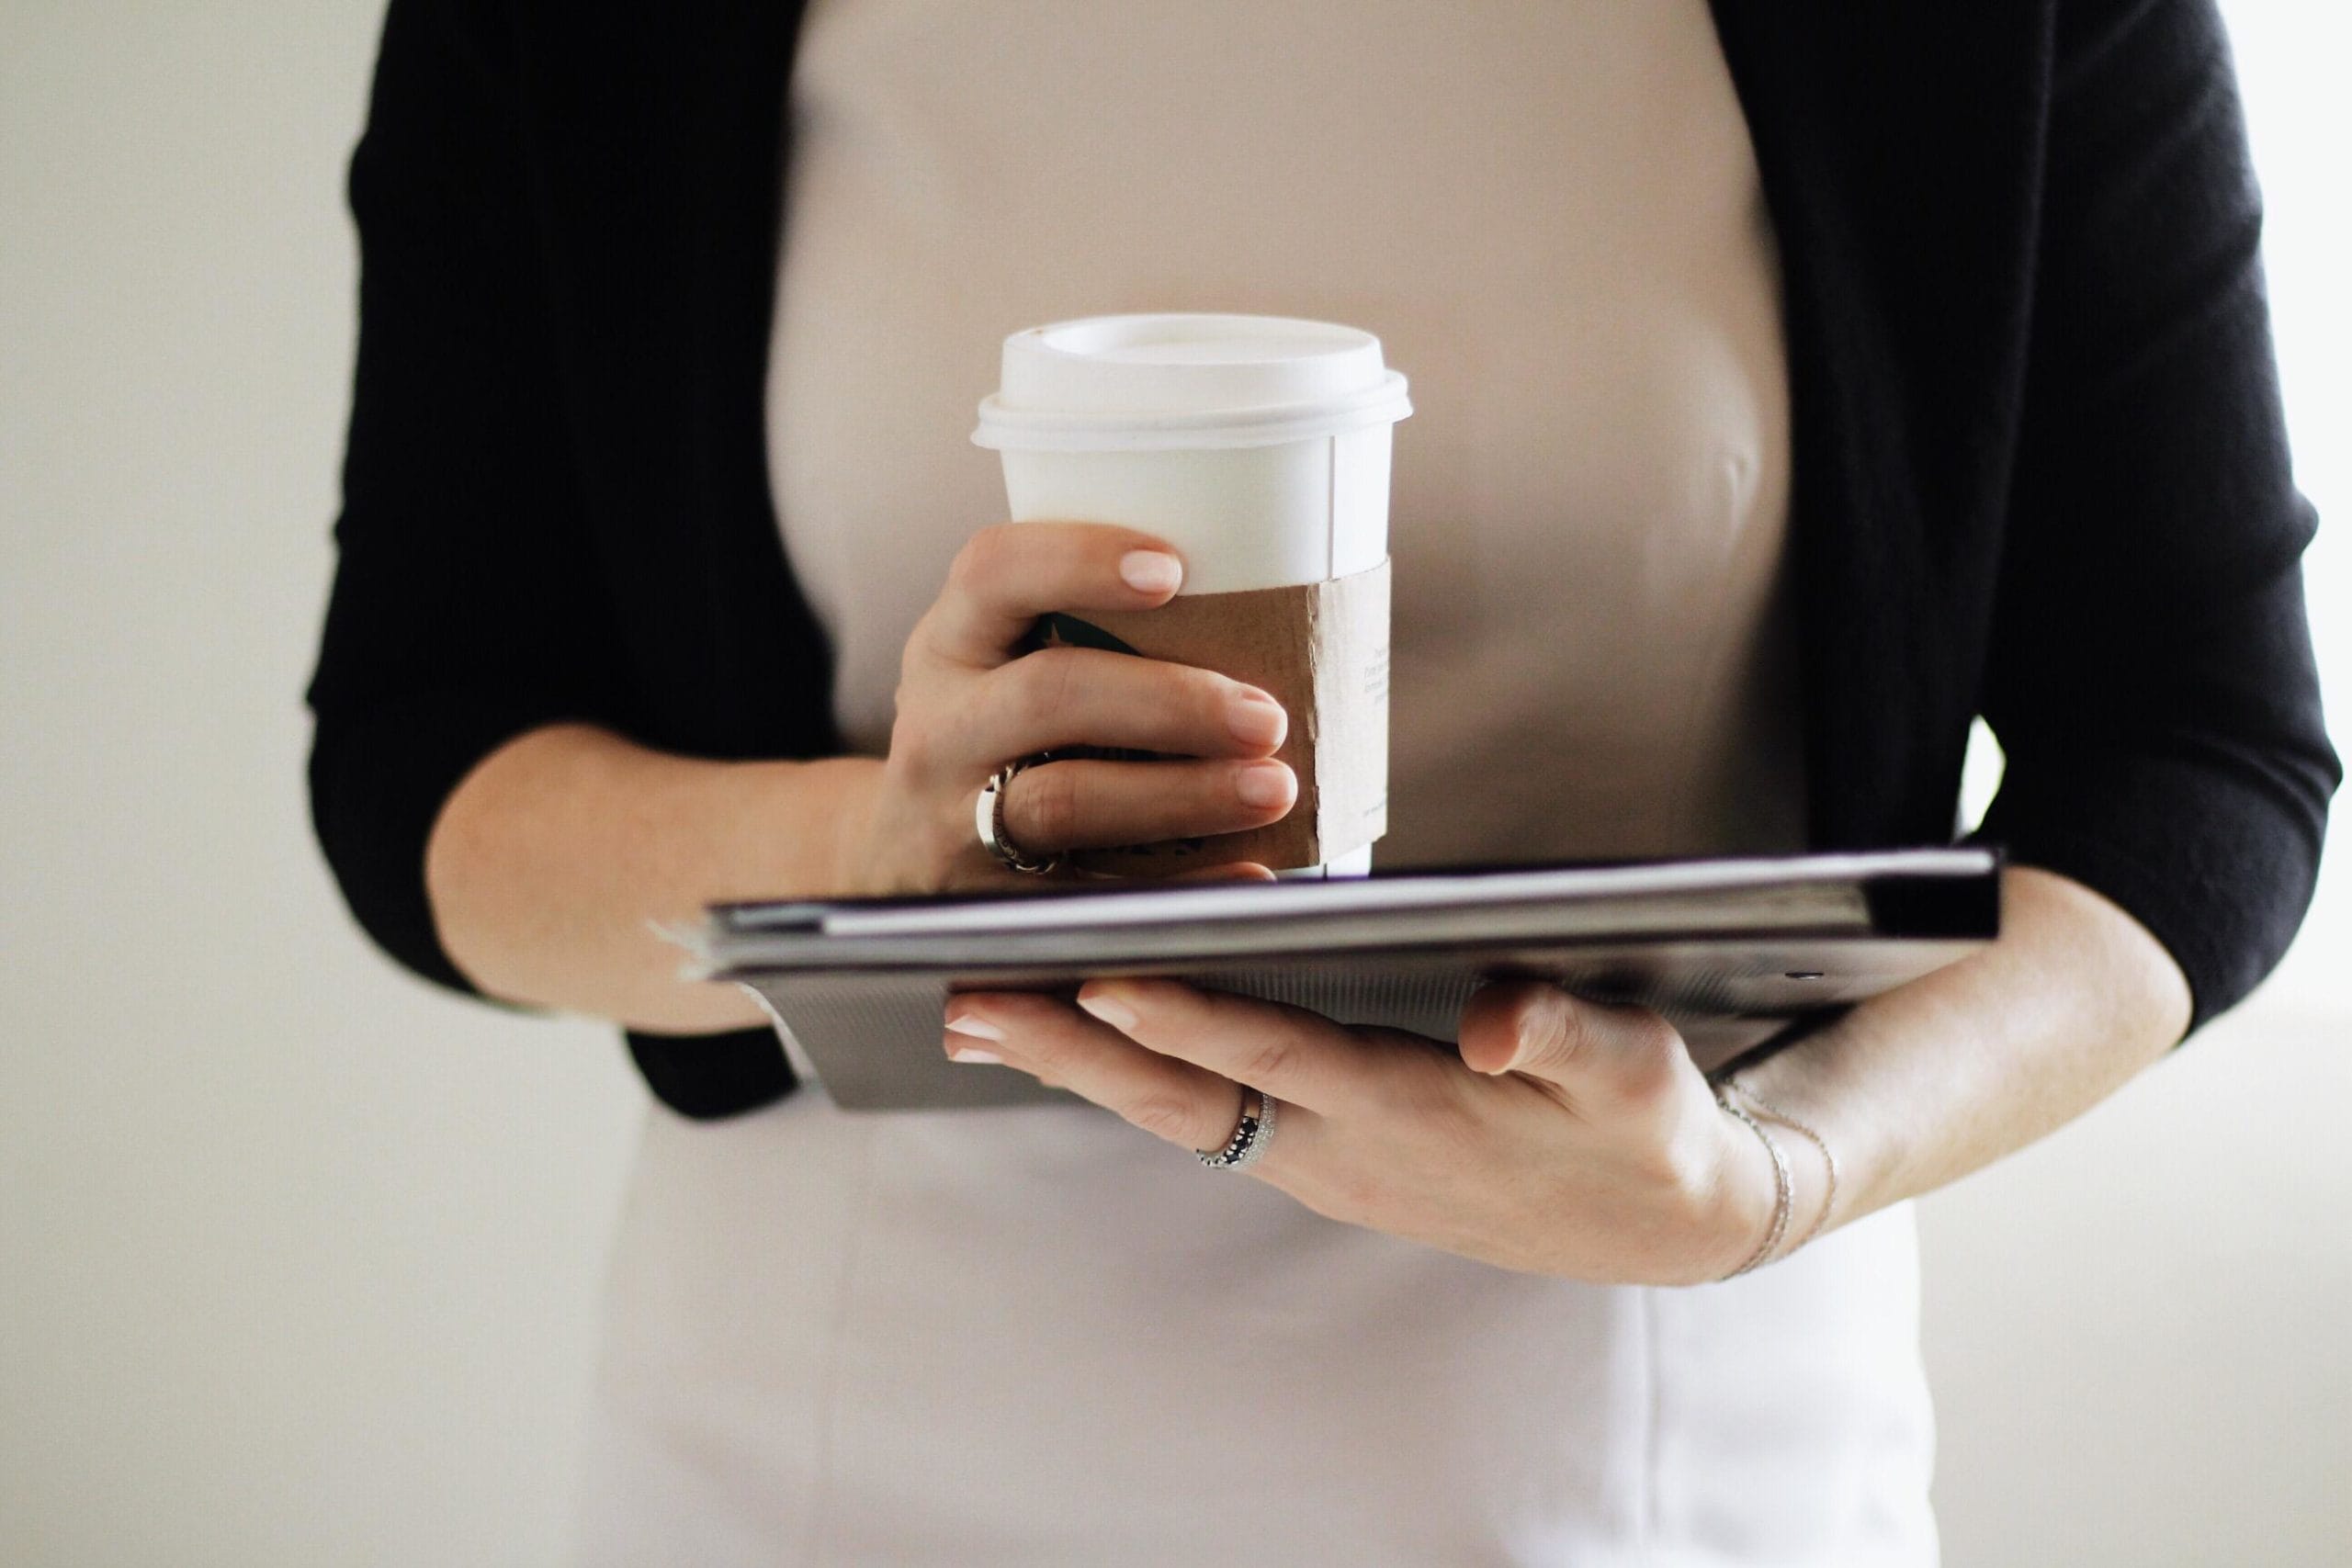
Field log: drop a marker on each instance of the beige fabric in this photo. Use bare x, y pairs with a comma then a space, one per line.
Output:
1040, 1336
1550, 214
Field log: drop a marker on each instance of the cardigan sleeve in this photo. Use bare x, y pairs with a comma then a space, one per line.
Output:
464, 610
2151, 677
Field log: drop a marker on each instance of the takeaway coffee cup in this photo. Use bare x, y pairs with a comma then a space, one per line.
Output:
1258, 446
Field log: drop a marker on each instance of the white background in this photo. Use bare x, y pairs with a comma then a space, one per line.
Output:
297, 1258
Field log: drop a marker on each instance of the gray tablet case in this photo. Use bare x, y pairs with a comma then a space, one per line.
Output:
1733, 951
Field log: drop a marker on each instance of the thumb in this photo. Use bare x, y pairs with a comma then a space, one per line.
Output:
1590, 1049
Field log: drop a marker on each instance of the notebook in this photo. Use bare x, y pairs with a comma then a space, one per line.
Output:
1733, 950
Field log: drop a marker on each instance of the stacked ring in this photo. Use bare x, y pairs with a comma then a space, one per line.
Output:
988, 818
1251, 1133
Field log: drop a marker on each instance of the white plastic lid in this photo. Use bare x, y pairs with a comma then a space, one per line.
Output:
1159, 383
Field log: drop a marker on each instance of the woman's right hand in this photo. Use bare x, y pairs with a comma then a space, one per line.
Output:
969, 700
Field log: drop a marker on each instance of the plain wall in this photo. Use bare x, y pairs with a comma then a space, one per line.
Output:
299, 1260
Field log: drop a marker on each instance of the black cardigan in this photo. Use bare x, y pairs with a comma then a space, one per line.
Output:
2039, 469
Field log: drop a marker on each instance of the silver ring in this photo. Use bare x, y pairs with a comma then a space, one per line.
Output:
1251, 1133
988, 818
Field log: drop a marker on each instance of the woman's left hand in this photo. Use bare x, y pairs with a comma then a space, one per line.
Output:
1564, 1137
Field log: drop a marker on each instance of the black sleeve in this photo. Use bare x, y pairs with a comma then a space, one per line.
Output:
2150, 678
465, 608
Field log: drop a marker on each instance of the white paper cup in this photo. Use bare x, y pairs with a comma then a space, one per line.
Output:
1258, 446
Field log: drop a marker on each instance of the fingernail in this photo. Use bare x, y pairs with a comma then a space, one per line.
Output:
1111, 1011
1151, 571
1255, 718
1262, 784
972, 1056
1532, 1037
973, 1024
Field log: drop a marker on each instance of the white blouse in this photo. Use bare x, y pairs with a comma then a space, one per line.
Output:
1037, 1337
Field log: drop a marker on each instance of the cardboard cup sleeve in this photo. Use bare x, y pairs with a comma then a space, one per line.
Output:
1321, 651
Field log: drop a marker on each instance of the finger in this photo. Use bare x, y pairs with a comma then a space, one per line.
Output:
1084, 804
1232, 870
1186, 1105
1059, 697
1295, 1055
1235, 870
1007, 576
1594, 1051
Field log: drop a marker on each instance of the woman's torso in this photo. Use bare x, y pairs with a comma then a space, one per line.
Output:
1550, 214
1039, 1336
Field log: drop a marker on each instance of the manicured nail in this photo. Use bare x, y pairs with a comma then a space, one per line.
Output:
1255, 718
976, 1026
972, 1056
1111, 1011
1151, 571
1262, 784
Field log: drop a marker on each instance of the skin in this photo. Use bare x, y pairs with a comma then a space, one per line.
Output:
555, 862
1560, 1136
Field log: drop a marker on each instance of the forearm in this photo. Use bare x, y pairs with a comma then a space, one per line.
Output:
552, 862
1934, 1080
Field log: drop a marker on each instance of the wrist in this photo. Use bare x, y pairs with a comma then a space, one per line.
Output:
1805, 1181
1755, 1195
774, 830
859, 862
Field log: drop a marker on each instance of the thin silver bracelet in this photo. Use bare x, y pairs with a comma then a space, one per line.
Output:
1829, 1197
1783, 1189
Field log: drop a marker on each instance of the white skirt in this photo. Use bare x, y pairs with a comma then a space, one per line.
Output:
1040, 1336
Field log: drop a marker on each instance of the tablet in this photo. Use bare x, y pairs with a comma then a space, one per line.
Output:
1732, 949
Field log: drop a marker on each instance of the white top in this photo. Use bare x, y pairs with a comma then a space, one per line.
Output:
1041, 1337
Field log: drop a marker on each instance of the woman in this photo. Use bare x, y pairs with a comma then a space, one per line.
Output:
1793, 388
